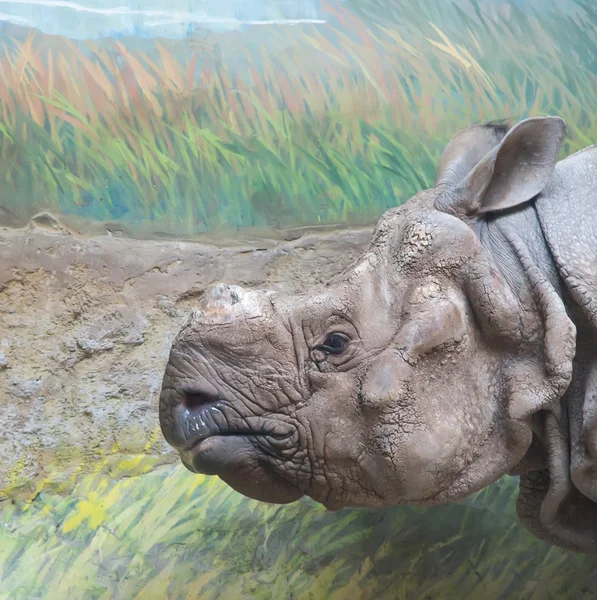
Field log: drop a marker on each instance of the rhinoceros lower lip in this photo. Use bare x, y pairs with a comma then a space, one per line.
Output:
218, 454
194, 445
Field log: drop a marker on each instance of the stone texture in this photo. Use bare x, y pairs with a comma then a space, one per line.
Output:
86, 326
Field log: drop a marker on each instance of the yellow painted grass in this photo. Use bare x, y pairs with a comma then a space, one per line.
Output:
172, 534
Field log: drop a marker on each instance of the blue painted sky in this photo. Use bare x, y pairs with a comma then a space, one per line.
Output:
85, 19
175, 19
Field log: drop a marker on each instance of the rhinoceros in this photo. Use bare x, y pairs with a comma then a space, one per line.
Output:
458, 348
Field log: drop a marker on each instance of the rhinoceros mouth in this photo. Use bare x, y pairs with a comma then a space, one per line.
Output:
211, 436
224, 452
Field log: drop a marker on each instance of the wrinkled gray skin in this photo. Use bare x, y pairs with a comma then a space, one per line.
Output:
458, 348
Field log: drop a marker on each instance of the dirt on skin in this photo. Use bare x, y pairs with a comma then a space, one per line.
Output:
86, 325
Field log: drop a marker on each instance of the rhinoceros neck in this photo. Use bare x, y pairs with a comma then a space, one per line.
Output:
567, 212
515, 239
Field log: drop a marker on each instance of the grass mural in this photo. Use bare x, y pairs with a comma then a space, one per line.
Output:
286, 126
168, 534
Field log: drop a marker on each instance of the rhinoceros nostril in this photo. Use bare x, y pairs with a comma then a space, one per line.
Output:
196, 399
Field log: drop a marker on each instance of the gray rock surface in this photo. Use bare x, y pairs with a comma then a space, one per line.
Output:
86, 325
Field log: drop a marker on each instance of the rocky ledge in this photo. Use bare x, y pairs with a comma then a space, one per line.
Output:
86, 325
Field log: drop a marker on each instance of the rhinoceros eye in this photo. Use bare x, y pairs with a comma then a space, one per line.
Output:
334, 344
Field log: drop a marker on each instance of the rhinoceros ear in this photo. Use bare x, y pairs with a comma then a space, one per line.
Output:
465, 150
512, 173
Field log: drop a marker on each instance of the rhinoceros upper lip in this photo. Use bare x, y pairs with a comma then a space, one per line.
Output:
195, 441
200, 424
210, 420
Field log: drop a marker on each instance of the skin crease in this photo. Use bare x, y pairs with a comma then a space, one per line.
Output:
455, 350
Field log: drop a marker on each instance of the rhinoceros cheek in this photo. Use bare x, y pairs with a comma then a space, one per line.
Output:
428, 460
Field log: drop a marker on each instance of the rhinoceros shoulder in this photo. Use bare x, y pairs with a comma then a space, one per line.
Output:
567, 211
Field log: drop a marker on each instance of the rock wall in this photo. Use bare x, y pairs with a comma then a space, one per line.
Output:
85, 330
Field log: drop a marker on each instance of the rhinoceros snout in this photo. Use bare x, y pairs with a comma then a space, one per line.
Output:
221, 323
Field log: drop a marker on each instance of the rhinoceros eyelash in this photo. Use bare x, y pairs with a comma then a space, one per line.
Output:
322, 348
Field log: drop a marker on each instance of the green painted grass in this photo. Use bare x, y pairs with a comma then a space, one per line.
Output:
313, 124
171, 534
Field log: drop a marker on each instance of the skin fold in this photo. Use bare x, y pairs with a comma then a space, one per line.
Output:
457, 349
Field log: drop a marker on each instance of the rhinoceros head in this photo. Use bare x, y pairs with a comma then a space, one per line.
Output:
411, 377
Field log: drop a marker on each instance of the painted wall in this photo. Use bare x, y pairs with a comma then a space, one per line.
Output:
269, 113
179, 119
